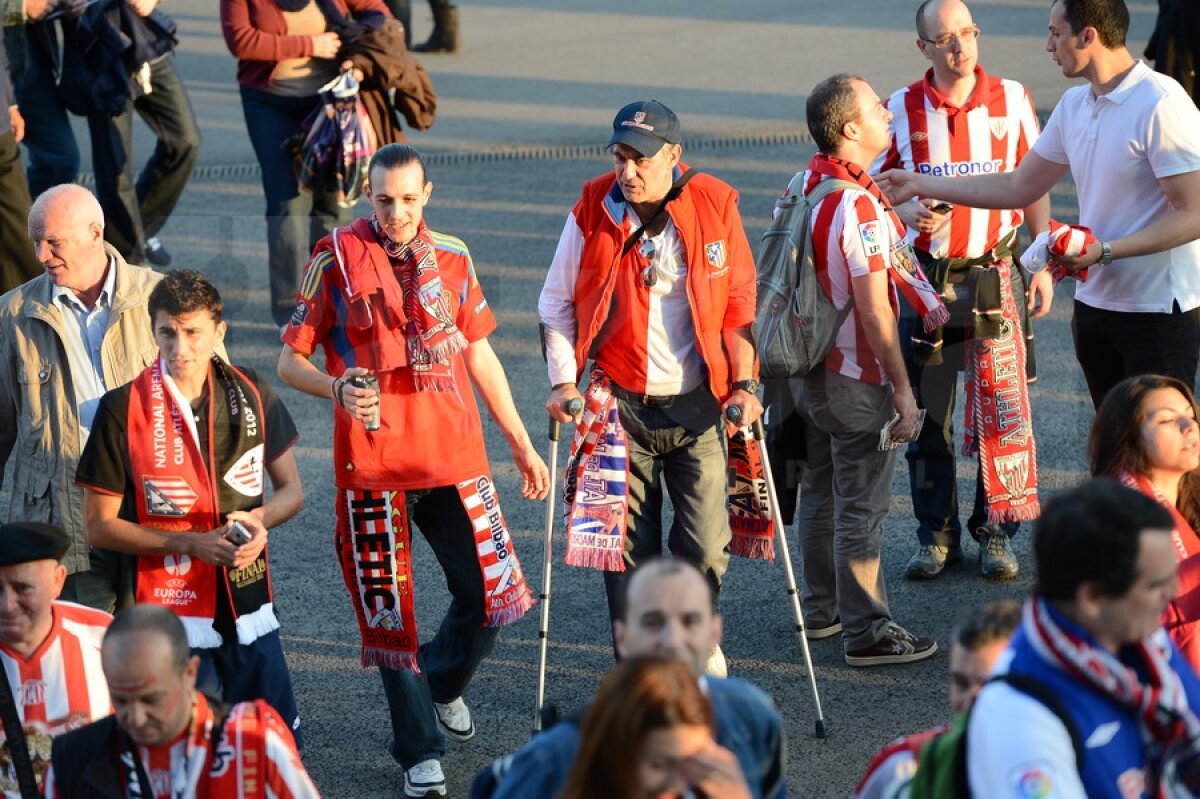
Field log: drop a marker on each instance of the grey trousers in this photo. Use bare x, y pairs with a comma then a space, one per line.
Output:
844, 500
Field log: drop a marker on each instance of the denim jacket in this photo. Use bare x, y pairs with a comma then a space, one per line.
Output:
747, 724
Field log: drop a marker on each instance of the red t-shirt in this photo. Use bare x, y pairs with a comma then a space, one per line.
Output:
426, 438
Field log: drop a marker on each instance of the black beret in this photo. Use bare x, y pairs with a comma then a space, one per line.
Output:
21, 542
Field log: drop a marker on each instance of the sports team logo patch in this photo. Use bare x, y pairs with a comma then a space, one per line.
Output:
870, 235
639, 116
168, 496
1013, 471
714, 251
920, 135
246, 476
999, 127
299, 314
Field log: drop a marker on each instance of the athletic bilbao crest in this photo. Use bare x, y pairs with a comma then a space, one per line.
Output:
714, 251
168, 496
246, 476
999, 126
1013, 471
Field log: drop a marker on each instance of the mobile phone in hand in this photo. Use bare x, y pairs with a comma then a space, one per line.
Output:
238, 535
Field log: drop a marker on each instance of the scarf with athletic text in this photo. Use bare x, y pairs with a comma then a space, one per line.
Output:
373, 542
181, 490
999, 425
1169, 728
596, 489
432, 337
904, 271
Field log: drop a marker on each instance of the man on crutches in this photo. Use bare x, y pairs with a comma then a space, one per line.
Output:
857, 406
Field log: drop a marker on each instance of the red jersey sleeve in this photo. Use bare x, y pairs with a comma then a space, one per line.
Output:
866, 234
314, 314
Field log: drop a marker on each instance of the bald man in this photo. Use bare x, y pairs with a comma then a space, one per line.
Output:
66, 337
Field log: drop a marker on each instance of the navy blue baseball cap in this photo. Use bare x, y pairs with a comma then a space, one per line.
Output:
645, 126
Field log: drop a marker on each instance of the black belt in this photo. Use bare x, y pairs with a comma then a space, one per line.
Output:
647, 400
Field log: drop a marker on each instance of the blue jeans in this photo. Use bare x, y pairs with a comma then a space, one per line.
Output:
682, 445
242, 673
449, 660
134, 211
296, 220
49, 140
931, 458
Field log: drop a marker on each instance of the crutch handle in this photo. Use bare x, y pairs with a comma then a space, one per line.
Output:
734, 414
571, 406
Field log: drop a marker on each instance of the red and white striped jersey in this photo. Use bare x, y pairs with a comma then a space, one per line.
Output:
852, 235
58, 688
990, 134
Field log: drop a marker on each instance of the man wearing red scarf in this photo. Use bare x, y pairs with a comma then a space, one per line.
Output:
388, 297
862, 260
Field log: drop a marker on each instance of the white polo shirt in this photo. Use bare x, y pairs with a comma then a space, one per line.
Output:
1117, 147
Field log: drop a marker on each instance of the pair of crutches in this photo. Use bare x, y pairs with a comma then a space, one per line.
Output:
757, 430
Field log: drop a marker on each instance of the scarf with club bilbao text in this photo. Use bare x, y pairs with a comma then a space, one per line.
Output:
182, 490
373, 543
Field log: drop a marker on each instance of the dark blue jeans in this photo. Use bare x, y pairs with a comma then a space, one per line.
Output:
449, 660
296, 220
49, 140
931, 467
242, 673
134, 211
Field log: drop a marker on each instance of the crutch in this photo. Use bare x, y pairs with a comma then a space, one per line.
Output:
573, 407
734, 415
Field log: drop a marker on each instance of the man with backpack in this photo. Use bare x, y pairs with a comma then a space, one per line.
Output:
857, 404
960, 120
975, 647
653, 282
1092, 637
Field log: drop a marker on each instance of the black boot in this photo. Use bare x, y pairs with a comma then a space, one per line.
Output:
446, 37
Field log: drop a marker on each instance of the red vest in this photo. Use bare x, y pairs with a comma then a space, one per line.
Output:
720, 279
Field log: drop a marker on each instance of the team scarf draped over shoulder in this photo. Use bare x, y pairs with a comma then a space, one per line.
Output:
1169, 727
596, 489
373, 542
904, 271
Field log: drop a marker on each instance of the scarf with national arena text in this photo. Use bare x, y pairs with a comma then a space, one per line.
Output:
904, 271
596, 495
997, 416
181, 490
373, 541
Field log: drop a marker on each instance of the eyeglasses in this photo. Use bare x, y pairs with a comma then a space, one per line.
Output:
968, 34
647, 250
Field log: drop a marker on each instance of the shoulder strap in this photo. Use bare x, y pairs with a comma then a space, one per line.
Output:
1036, 689
820, 192
676, 189
14, 734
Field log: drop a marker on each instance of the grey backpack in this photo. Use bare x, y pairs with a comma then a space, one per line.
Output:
795, 323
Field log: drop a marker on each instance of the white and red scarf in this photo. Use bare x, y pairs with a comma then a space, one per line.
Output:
1170, 729
998, 414
1186, 542
1056, 240
181, 490
373, 542
596, 495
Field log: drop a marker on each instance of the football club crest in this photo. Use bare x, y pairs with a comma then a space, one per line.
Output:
870, 234
920, 135
1013, 471
714, 251
300, 314
168, 496
999, 126
246, 476
639, 116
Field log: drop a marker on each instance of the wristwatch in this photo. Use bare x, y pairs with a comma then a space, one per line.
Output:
1105, 253
750, 385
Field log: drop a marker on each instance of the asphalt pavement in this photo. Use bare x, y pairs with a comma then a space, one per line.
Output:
522, 115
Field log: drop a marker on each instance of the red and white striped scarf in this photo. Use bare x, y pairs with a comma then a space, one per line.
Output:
1169, 728
1058, 239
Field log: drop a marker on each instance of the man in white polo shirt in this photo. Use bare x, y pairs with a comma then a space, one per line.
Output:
1131, 140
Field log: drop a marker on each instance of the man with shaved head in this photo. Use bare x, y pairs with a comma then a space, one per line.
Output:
66, 337
165, 738
959, 120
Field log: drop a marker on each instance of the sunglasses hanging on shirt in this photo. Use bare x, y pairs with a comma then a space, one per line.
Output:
647, 249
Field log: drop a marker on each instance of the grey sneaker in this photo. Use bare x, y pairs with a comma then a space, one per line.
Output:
425, 779
828, 631
455, 718
930, 560
997, 560
898, 645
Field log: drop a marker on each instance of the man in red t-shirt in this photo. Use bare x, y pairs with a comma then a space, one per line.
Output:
386, 296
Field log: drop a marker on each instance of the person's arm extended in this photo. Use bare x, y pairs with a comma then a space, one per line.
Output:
487, 374
874, 310
1020, 188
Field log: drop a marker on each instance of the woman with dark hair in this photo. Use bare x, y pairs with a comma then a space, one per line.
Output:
286, 51
649, 733
1145, 435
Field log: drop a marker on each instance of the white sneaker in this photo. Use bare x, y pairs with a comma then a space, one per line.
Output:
716, 665
425, 779
455, 718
